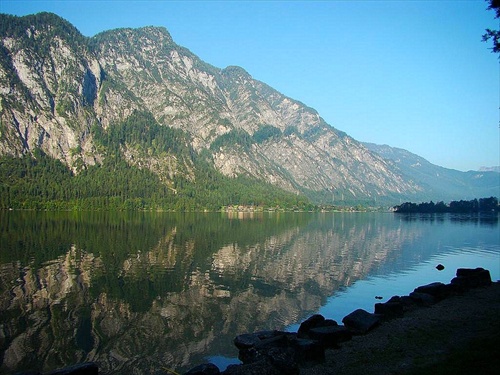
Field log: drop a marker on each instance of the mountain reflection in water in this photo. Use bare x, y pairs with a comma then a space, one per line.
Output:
138, 292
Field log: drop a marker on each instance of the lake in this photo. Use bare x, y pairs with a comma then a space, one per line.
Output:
141, 293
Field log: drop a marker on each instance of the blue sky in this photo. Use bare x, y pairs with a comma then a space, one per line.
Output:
410, 74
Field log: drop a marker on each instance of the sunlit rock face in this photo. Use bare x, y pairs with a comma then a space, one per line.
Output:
56, 86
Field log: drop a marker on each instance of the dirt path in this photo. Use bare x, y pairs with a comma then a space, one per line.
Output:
459, 335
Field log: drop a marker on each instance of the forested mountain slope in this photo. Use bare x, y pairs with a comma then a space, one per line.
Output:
133, 101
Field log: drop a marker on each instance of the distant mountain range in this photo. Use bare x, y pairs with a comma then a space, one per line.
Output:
490, 169
440, 183
136, 96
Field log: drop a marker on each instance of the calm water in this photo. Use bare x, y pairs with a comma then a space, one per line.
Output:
140, 293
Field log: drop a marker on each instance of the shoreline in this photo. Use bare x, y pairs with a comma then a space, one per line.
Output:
459, 334
437, 328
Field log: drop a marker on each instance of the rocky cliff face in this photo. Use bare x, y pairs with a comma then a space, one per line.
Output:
48, 83
56, 85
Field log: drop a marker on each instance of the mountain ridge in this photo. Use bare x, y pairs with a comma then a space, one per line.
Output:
59, 91
442, 182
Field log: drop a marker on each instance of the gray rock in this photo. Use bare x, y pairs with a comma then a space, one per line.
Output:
248, 340
251, 355
472, 278
308, 350
422, 298
389, 309
314, 321
360, 321
260, 350
437, 290
311, 322
330, 336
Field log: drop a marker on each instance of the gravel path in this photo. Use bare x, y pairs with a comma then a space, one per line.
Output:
460, 334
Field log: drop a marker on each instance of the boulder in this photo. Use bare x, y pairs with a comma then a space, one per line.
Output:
330, 336
248, 340
422, 298
314, 321
472, 278
438, 290
264, 341
280, 350
395, 299
311, 322
251, 355
407, 302
360, 321
389, 309
307, 350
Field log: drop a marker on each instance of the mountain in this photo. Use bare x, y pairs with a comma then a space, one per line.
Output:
440, 183
133, 101
490, 169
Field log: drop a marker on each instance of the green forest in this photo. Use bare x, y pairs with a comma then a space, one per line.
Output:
42, 182
39, 181
472, 206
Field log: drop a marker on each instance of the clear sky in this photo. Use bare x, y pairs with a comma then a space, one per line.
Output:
410, 74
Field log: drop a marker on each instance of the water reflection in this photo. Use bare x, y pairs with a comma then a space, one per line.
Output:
139, 292
481, 218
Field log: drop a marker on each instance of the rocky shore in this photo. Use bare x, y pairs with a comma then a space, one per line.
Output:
458, 335
437, 328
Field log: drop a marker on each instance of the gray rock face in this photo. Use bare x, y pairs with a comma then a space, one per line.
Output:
52, 96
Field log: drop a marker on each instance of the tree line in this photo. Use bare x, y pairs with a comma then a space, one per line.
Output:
473, 206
